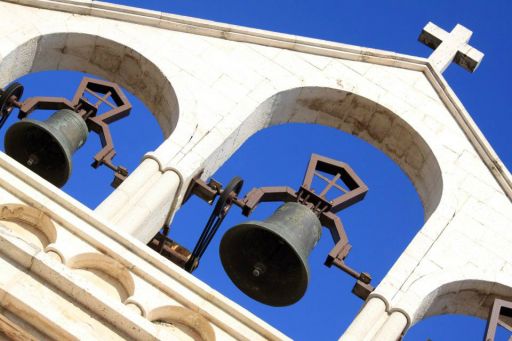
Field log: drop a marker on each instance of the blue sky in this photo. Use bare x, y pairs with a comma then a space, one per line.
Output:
381, 226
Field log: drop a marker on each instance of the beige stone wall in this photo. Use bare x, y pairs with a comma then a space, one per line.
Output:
211, 87
64, 274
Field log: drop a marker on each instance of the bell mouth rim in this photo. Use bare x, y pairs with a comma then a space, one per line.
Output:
66, 173
304, 270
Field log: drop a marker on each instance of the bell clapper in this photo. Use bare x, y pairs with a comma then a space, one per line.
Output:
32, 160
258, 269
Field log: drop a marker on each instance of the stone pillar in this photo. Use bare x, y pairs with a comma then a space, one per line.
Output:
369, 318
141, 205
393, 328
117, 202
149, 214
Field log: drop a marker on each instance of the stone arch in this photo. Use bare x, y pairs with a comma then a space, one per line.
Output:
468, 297
104, 273
30, 224
177, 320
457, 291
99, 56
354, 114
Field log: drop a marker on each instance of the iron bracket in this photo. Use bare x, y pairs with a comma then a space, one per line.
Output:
205, 191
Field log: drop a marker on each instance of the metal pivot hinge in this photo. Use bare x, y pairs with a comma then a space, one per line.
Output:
208, 192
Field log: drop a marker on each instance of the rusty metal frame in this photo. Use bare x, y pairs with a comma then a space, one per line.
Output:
171, 250
500, 309
341, 171
88, 111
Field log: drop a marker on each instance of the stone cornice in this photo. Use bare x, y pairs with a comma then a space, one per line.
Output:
226, 31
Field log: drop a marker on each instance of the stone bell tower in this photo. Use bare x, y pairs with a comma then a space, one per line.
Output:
68, 272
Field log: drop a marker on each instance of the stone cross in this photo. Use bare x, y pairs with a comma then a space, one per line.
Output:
450, 47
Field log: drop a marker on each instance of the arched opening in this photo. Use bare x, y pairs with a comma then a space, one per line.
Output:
90, 186
379, 227
274, 160
145, 85
356, 115
452, 327
459, 310
28, 224
101, 57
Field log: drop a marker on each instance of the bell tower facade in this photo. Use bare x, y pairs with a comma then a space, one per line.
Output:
68, 272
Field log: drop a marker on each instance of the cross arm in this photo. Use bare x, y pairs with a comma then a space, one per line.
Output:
450, 47
469, 58
432, 35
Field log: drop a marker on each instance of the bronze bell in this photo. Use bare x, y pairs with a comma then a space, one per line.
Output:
267, 260
46, 147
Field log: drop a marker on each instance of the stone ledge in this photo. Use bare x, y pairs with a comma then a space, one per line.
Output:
225, 31
145, 263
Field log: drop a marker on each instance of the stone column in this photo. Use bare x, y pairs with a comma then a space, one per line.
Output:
141, 205
149, 214
393, 328
369, 318
117, 202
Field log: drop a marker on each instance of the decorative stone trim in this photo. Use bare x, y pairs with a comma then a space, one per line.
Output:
30, 216
12, 331
107, 266
181, 315
149, 267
